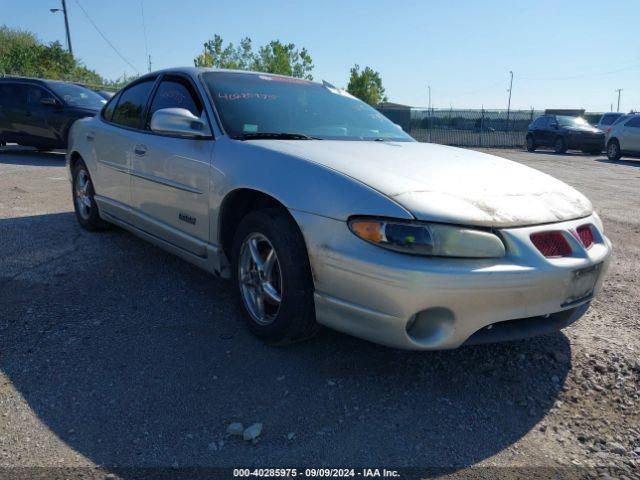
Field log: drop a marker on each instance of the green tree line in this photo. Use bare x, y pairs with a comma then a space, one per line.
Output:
22, 53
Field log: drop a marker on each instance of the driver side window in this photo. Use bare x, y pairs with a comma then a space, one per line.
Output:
175, 93
36, 94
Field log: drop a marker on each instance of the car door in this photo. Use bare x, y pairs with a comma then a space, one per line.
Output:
630, 141
43, 115
13, 97
170, 174
119, 128
539, 130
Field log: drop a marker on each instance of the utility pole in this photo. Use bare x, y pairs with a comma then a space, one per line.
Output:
429, 87
149, 63
66, 23
618, 90
509, 102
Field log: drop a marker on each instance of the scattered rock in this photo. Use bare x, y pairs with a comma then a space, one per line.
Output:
235, 428
253, 432
617, 448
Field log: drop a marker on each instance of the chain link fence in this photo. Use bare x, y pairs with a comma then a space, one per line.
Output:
467, 128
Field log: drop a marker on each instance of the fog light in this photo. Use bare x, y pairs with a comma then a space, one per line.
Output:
432, 326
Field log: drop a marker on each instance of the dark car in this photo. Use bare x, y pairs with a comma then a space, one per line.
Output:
563, 132
39, 113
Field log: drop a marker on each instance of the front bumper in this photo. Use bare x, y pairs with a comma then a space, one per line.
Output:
427, 303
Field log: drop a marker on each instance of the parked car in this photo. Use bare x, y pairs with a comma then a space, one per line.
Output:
39, 113
322, 211
623, 139
563, 133
607, 119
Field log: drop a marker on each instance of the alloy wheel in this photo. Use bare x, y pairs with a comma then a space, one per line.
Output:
260, 278
82, 194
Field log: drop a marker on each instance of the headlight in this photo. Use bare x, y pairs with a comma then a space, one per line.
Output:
433, 239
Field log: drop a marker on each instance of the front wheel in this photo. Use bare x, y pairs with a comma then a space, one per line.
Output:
84, 201
272, 273
559, 145
613, 151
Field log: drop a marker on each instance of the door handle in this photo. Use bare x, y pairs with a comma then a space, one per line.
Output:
91, 136
140, 150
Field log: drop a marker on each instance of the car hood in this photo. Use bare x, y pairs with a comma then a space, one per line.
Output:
583, 129
446, 184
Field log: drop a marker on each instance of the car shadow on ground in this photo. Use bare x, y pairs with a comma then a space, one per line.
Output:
135, 358
17, 155
576, 153
629, 163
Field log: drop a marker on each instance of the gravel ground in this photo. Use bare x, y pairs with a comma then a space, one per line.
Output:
116, 354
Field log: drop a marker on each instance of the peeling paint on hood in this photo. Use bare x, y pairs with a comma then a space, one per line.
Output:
446, 184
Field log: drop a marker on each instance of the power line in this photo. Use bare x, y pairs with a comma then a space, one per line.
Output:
105, 38
144, 31
589, 75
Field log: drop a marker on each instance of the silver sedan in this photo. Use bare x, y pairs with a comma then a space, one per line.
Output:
323, 212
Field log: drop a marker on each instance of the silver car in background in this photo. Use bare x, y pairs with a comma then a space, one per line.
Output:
623, 137
322, 211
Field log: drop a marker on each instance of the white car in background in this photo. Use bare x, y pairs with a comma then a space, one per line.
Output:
623, 138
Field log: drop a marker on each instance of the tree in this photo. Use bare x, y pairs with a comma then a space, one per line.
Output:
366, 85
22, 53
275, 57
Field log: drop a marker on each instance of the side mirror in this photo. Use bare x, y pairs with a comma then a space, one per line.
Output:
52, 102
178, 121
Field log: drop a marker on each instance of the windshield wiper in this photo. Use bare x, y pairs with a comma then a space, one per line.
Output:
274, 136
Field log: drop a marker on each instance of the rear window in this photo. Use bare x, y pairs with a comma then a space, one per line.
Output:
13, 92
131, 104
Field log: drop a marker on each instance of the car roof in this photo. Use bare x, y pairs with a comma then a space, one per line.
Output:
195, 71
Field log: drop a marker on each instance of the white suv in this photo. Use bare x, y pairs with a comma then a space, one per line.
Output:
623, 139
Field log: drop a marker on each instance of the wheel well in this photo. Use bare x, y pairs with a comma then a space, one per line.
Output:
235, 206
611, 140
75, 156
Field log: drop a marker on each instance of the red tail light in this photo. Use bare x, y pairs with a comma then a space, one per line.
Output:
586, 235
551, 244
608, 129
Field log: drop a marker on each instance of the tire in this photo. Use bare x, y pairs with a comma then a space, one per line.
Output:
84, 202
559, 145
531, 145
293, 318
613, 151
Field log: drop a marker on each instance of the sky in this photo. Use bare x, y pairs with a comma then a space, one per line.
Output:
563, 54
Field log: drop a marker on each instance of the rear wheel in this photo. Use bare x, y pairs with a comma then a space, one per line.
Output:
559, 145
271, 270
531, 145
613, 150
84, 201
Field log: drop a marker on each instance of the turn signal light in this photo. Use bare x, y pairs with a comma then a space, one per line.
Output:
586, 235
551, 244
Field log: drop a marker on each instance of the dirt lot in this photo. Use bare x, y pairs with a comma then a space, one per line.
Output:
116, 354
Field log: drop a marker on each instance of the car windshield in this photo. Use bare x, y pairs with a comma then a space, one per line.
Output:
77, 96
251, 105
609, 119
566, 121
